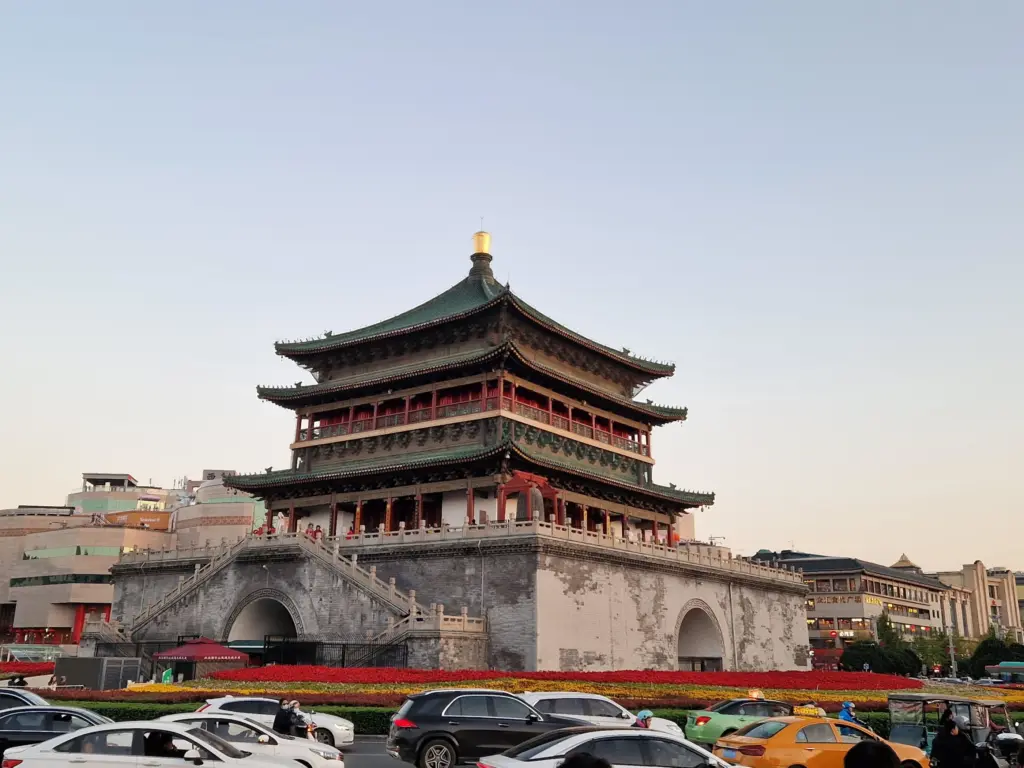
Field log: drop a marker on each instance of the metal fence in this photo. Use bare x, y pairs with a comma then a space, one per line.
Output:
278, 650
143, 651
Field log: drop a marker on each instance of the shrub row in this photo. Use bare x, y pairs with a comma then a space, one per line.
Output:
368, 721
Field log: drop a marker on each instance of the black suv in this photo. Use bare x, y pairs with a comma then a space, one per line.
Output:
33, 725
15, 697
438, 729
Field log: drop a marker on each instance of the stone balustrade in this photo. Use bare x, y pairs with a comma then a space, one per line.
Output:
712, 557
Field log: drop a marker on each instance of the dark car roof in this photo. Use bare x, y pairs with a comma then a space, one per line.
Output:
33, 698
461, 692
563, 733
946, 698
87, 714
748, 700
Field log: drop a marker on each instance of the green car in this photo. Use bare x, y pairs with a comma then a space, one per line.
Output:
709, 725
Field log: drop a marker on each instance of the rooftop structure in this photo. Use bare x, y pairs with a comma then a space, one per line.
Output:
472, 406
56, 559
95, 481
849, 594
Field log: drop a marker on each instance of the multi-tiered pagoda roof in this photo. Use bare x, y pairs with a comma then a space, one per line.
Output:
477, 328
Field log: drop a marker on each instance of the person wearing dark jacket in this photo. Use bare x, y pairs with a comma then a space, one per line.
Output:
283, 719
871, 754
299, 729
952, 747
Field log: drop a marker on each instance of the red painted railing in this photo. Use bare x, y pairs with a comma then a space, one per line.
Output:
467, 407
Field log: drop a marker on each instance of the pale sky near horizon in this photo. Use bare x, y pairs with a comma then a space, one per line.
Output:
813, 209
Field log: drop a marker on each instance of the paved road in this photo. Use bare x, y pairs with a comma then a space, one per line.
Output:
369, 753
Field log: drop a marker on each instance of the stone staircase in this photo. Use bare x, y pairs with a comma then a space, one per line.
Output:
402, 603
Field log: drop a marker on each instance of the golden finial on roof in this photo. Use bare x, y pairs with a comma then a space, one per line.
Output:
482, 242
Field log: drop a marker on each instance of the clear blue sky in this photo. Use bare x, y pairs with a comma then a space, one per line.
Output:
814, 209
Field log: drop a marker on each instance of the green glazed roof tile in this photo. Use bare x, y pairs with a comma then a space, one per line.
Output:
287, 394
692, 498
469, 295
448, 456
466, 296
536, 314
368, 466
304, 393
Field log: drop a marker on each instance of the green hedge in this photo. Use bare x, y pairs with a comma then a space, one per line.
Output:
370, 721
367, 720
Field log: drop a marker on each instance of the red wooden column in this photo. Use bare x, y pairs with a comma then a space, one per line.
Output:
291, 517
270, 518
408, 401
606, 522
529, 503
387, 515
419, 509
583, 518
332, 529
470, 502
373, 425
76, 630
433, 404
358, 520
560, 513
298, 426
502, 501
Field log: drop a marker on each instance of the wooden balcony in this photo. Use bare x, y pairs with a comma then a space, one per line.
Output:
468, 408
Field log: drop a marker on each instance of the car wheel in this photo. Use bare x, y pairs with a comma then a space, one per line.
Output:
324, 736
438, 754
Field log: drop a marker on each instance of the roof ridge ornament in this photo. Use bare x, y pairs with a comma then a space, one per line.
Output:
481, 256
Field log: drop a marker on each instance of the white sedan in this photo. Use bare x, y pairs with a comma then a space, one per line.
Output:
619, 746
327, 729
250, 736
591, 708
130, 745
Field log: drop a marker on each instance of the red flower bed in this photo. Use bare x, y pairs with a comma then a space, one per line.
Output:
26, 668
825, 681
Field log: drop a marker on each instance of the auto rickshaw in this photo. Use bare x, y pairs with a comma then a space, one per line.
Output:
914, 720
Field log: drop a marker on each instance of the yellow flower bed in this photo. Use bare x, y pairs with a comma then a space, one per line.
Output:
655, 692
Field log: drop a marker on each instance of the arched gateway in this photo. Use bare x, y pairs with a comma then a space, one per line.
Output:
701, 646
262, 613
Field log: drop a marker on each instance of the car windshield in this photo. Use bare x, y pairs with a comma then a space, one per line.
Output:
761, 730
262, 730
720, 705
533, 747
224, 747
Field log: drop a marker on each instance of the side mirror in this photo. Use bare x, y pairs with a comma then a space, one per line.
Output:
193, 756
533, 717
626, 716
263, 739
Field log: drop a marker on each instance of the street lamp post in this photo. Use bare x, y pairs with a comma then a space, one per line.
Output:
952, 651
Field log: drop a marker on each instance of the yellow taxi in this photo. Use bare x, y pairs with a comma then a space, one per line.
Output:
807, 742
